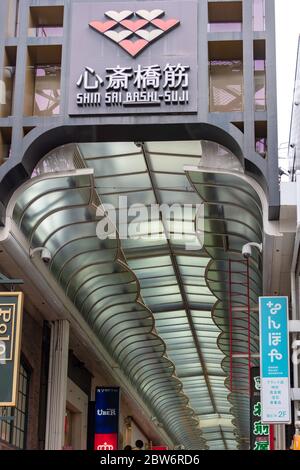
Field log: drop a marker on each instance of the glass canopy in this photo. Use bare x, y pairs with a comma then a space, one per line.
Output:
156, 291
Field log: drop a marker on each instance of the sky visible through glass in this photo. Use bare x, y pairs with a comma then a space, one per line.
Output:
287, 34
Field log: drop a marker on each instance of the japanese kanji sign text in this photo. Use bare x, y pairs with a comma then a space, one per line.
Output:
146, 62
274, 356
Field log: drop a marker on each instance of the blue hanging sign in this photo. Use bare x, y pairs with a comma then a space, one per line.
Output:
107, 418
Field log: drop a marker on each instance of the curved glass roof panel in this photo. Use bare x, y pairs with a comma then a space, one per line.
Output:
153, 295
95, 276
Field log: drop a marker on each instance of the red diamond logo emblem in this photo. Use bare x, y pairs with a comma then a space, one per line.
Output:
134, 31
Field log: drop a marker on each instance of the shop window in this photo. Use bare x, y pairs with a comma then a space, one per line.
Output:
259, 15
46, 90
46, 21
42, 97
7, 82
260, 75
75, 429
225, 18
226, 76
5, 143
69, 429
261, 138
13, 422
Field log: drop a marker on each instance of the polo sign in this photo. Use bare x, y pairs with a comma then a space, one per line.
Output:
274, 359
128, 60
11, 311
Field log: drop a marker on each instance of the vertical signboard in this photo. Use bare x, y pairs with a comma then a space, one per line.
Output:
274, 360
107, 418
260, 434
11, 312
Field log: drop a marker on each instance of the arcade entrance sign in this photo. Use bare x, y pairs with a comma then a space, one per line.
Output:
132, 60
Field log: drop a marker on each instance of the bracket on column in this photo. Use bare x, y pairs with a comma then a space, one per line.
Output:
295, 394
294, 326
6, 280
10, 282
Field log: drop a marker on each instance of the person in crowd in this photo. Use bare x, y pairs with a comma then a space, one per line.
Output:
139, 445
128, 448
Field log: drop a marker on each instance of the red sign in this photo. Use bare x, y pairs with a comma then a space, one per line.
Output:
106, 441
159, 448
134, 36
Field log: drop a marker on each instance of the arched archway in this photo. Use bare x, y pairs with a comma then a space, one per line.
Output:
171, 276
41, 141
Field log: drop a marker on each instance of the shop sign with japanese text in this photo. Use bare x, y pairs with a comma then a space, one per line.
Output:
260, 434
129, 58
274, 360
11, 312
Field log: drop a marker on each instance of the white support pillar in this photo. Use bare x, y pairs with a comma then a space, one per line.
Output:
57, 385
279, 434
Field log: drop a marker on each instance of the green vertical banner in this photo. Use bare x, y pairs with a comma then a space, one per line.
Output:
261, 435
11, 313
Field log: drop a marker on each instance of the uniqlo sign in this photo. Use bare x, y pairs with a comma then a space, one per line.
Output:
129, 58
